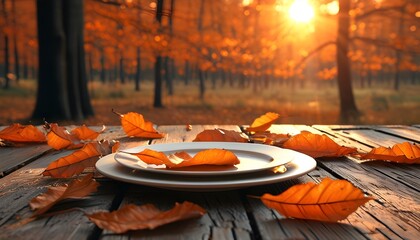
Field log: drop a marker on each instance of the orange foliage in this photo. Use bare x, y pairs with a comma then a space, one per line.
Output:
133, 217
135, 125
76, 189
316, 145
76, 162
400, 153
330, 200
22, 134
263, 122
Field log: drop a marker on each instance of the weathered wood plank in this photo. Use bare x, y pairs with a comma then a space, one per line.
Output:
359, 225
19, 187
13, 158
226, 217
379, 183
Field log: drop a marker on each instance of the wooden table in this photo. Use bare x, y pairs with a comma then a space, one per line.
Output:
395, 214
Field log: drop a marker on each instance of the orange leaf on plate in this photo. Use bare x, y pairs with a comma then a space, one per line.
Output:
133, 217
135, 125
183, 159
400, 152
76, 162
316, 145
59, 138
220, 135
85, 133
330, 200
76, 189
22, 134
263, 122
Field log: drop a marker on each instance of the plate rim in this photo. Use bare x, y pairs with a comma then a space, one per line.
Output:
281, 156
304, 164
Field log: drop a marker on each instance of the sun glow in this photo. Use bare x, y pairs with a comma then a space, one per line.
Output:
301, 11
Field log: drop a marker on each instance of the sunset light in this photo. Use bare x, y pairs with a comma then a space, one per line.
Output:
301, 11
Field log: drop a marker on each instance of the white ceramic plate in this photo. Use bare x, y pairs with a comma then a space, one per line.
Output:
253, 157
300, 165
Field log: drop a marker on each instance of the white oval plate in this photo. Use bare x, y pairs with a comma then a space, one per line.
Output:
300, 165
253, 157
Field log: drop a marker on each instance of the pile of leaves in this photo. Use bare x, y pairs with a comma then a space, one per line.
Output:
330, 200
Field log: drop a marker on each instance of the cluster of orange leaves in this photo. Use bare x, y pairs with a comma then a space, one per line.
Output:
330, 200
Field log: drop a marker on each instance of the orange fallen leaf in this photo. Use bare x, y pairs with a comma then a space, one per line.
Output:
316, 145
263, 122
133, 217
85, 133
330, 200
135, 125
22, 134
400, 153
269, 138
60, 138
78, 188
183, 159
220, 135
76, 162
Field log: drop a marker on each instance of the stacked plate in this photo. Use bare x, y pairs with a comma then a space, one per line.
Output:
256, 167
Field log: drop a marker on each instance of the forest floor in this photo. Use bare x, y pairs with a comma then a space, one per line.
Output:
227, 105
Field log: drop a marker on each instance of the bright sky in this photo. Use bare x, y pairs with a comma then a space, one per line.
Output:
301, 11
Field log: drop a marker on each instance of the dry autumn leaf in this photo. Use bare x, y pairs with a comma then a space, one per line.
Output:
22, 134
133, 217
76, 162
220, 135
183, 159
269, 138
78, 188
59, 138
316, 145
85, 133
135, 125
330, 200
263, 122
401, 153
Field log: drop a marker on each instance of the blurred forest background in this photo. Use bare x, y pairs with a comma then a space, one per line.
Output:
203, 61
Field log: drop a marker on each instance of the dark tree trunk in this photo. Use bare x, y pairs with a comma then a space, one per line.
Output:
138, 70
122, 72
157, 102
15, 46
62, 82
168, 77
348, 107
187, 73
25, 66
6, 49
103, 70
202, 85
398, 53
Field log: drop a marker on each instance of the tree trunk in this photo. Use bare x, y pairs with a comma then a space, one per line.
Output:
103, 71
62, 82
122, 72
157, 102
6, 49
15, 46
138, 70
348, 107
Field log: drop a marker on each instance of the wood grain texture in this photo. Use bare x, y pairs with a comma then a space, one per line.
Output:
231, 214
